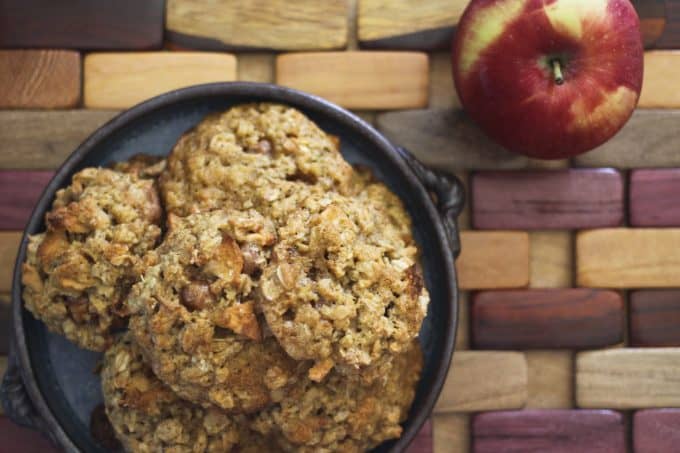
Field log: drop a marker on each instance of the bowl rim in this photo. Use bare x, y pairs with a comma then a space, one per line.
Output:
271, 93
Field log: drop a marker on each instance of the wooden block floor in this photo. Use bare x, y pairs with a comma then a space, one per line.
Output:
569, 335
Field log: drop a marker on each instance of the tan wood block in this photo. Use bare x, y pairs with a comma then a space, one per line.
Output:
9, 246
493, 259
442, 90
451, 433
483, 381
551, 375
274, 24
255, 67
123, 79
352, 38
359, 80
542, 164
628, 258
660, 82
552, 259
628, 378
40, 139
463, 331
39, 78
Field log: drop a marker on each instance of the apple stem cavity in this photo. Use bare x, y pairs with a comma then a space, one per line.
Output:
557, 71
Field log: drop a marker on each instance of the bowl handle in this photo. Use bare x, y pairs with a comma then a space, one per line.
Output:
449, 192
15, 401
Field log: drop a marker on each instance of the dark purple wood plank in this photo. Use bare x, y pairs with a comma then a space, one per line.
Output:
82, 24
423, 440
15, 439
554, 431
575, 318
655, 318
654, 197
561, 199
656, 431
20, 191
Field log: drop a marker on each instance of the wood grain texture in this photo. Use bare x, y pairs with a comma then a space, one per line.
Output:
359, 80
463, 331
547, 319
451, 433
35, 139
82, 24
628, 378
628, 258
656, 430
120, 80
422, 443
39, 78
255, 67
9, 246
535, 199
442, 90
18, 439
484, 380
659, 88
653, 197
494, 259
551, 376
20, 190
274, 24
397, 24
5, 326
655, 318
551, 259
446, 139
556, 431
647, 140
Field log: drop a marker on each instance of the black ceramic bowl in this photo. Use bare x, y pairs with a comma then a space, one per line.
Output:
51, 385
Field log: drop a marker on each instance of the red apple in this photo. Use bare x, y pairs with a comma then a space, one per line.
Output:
549, 78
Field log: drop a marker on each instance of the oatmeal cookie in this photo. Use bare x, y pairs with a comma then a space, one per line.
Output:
78, 273
337, 415
148, 417
194, 315
237, 160
343, 286
142, 165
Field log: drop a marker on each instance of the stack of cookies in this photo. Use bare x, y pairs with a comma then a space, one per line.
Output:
254, 292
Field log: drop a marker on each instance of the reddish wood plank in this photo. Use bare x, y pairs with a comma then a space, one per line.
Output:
655, 318
21, 190
82, 24
423, 441
18, 439
562, 199
656, 431
556, 431
547, 319
39, 78
654, 197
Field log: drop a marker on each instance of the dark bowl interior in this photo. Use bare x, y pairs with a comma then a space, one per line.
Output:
63, 376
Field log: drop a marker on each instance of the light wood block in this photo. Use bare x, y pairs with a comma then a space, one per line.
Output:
552, 259
628, 258
359, 80
255, 67
121, 80
398, 24
38, 139
660, 83
446, 139
551, 375
39, 78
9, 246
463, 332
628, 378
442, 90
484, 380
274, 24
494, 259
451, 433
649, 139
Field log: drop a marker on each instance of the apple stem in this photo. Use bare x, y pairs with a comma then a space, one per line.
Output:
557, 71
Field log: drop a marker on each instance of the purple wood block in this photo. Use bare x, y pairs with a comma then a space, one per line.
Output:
535, 200
20, 191
656, 431
17, 439
554, 431
423, 440
655, 318
654, 197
